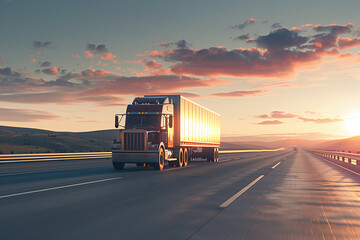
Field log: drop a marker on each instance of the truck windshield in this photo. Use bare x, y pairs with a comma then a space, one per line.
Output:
133, 121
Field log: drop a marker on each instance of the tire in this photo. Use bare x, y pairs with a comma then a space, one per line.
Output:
118, 165
186, 157
161, 160
211, 155
180, 158
216, 153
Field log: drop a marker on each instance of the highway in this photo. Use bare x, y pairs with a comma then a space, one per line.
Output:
260, 195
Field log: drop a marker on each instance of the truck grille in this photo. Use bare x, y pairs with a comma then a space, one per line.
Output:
134, 141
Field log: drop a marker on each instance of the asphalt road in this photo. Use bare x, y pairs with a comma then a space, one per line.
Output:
302, 197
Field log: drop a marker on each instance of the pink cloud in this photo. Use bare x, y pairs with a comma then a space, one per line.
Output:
306, 25
346, 43
88, 54
270, 122
51, 70
152, 64
240, 93
33, 60
278, 114
277, 54
321, 120
108, 56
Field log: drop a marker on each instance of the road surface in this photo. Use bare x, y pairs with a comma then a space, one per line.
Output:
271, 195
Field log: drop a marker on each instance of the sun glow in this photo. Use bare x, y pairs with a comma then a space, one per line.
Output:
353, 125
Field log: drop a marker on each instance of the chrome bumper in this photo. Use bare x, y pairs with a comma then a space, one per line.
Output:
135, 157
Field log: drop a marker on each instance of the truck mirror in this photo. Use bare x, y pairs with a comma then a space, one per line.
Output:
170, 122
116, 121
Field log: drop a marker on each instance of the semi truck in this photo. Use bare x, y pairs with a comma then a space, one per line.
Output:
165, 128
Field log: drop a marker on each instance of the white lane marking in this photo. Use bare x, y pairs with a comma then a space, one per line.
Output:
275, 165
60, 187
238, 194
342, 167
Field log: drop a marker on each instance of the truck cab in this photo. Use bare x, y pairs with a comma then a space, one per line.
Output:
148, 132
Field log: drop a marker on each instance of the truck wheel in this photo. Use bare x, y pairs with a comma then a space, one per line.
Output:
180, 159
118, 165
161, 160
186, 157
216, 155
211, 155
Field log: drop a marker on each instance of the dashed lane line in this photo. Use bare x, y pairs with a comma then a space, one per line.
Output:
242, 191
275, 165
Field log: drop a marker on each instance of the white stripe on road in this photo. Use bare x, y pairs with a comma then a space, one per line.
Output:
238, 194
60, 187
275, 165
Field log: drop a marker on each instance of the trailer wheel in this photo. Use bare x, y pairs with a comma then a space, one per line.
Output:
118, 165
211, 155
161, 160
186, 157
180, 158
216, 159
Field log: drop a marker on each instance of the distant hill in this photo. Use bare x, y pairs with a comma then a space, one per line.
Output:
29, 140
349, 144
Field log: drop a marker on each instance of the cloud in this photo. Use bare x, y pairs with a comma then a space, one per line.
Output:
45, 64
276, 25
101, 48
345, 43
321, 120
326, 40
240, 93
108, 56
40, 44
243, 25
280, 39
7, 71
152, 64
218, 61
270, 122
24, 115
243, 37
51, 70
180, 44
278, 114
276, 54
97, 86
88, 54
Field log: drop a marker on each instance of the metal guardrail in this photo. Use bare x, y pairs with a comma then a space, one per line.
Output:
42, 157
351, 158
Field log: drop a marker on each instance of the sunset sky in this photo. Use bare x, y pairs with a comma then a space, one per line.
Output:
271, 69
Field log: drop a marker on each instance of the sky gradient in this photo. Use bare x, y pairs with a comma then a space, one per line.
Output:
272, 69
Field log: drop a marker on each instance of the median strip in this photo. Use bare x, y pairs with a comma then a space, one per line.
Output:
238, 194
60, 187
